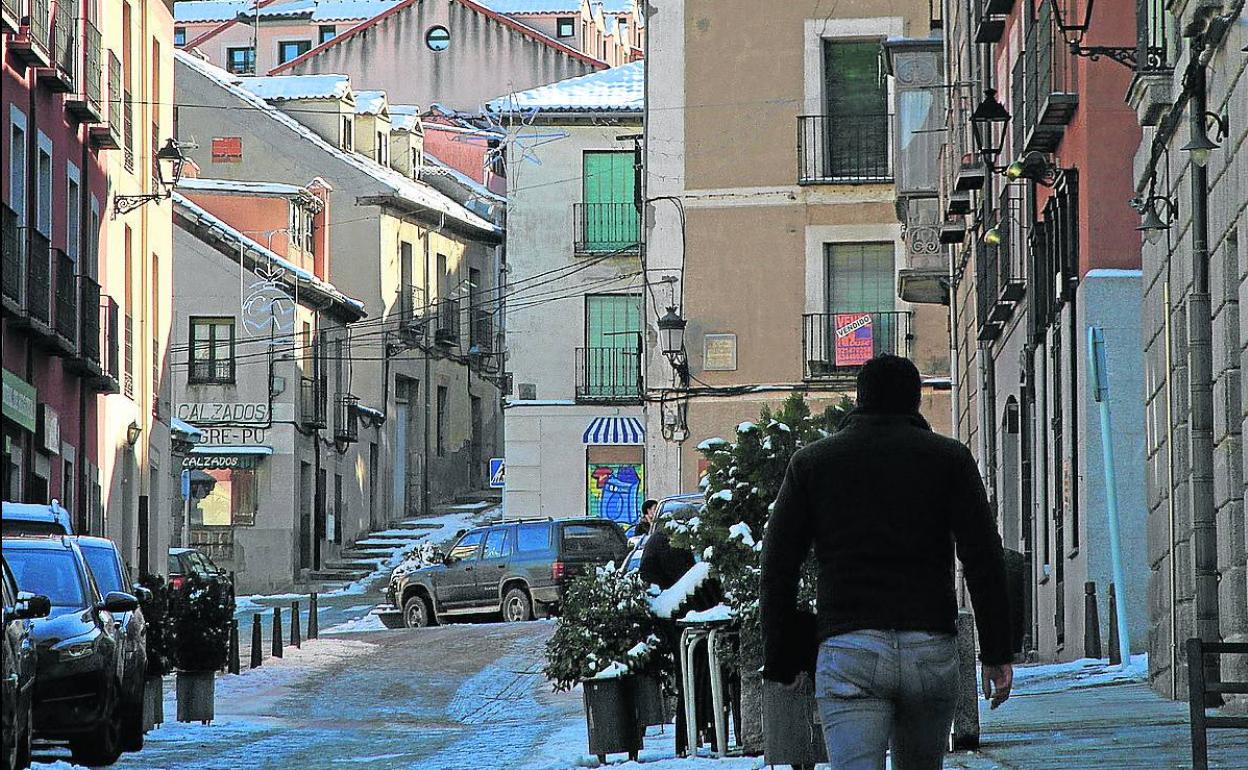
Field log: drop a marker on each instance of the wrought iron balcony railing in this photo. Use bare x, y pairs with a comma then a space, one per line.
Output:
346, 419
1052, 89
844, 150
606, 227
447, 330
39, 278
835, 345
86, 101
312, 406
65, 48
14, 256
608, 374
89, 312
110, 352
66, 317
1152, 22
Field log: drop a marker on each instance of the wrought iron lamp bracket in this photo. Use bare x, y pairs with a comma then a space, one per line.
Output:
124, 204
1124, 55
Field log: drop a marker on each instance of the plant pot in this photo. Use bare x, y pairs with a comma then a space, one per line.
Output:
611, 717
648, 698
153, 702
752, 738
792, 734
196, 695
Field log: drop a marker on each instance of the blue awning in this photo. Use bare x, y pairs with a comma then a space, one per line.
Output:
614, 431
232, 449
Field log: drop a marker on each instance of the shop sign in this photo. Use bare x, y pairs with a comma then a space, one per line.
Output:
20, 399
855, 339
48, 437
234, 436
217, 413
207, 462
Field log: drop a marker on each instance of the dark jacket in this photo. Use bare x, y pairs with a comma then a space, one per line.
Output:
885, 502
662, 563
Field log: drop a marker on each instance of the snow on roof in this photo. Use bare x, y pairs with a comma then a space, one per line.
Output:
278, 88
533, 6
405, 117
478, 189
191, 11
343, 10
616, 89
209, 10
259, 251
198, 184
369, 102
396, 184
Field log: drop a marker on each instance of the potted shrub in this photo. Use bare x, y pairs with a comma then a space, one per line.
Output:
155, 607
200, 613
603, 640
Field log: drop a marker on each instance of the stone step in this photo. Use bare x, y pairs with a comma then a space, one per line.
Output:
353, 565
347, 575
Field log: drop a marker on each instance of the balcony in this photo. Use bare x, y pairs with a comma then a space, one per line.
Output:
90, 343
127, 130
209, 371
31, 45
87, 102
844, 150
609, 375
971, 173
60, 75
109, 379
836, 345
988, 20
312, 397
346, 419
1051, 84
447, 330
14, 241
65, 317
11, 12
108, 137
1150, 90
606, 228
39, 283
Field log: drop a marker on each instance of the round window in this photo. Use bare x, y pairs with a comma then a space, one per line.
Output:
438, 38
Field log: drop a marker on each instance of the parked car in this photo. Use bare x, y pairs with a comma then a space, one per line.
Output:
518, 569
110, 574
17, 667
188, 561
79, 688
34, 519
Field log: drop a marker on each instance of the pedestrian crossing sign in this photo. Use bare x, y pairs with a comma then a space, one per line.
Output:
498, 472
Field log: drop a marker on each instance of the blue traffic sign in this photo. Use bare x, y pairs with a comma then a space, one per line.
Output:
498, 472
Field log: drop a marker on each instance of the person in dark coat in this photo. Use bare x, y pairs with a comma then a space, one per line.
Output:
662, 563
885, 503
649, 509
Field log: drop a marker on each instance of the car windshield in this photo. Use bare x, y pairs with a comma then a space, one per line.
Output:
103, 563
679, 510
52, 573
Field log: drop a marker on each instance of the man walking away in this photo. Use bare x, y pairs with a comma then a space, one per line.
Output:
885, 502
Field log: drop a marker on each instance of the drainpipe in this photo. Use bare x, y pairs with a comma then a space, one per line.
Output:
1170, 512
1200, 387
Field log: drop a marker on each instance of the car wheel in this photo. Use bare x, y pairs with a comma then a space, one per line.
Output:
517, 607
416, 612
100, 747
132, 726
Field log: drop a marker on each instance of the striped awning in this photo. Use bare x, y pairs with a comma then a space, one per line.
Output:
614, 431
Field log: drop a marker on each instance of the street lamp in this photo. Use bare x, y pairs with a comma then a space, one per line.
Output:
984, 122
1152, 224
1035, 166
672, 342
1073, 34
133, 431
1200, 145
169, 163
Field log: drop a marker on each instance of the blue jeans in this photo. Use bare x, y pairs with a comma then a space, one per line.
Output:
882, 689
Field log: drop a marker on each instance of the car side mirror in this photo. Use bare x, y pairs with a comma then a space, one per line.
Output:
144, 595
30, 606
119, 601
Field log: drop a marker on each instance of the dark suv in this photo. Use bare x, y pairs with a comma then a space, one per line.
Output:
80, 659
17, 668
515, 568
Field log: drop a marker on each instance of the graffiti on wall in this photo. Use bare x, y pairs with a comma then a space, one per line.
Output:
615, 491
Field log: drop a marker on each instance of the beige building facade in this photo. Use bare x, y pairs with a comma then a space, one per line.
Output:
784, 267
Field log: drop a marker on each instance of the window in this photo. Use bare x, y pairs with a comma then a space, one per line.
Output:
382, 152
240, 61
73, 212
854, 130
292, 49
860, 280
326, 33
231, 502
348, 133
212, 350
128, 310
565, 27
91, 267
533, 537
43, 203
467, 546
179, 36
154, 315
17, 165
438, 38
610, 363
441, 426
609, 220
497, 544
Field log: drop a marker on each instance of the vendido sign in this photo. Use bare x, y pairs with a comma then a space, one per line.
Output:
20, 401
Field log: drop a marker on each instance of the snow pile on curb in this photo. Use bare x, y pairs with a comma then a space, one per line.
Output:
1077, 675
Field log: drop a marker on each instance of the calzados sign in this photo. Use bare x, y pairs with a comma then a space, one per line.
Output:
215, 462
213, 413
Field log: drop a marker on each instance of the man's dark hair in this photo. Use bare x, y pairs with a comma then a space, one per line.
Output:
647, 505
889, 384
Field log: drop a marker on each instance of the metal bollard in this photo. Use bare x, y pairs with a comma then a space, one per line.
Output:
233, 661
966, 713
1091, 622
277, 632
314, 626
294, 624
1115, 656
256, 641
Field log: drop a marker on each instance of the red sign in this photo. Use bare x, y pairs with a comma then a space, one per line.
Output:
227, 149
855, 339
